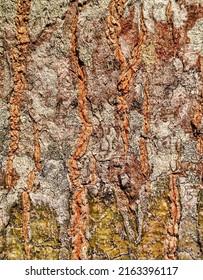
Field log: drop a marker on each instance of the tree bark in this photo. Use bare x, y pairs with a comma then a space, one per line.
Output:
101, 136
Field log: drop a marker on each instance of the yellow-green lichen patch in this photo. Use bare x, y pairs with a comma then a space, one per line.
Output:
14, 242
154, 230
109, 239
44, 253
44, 234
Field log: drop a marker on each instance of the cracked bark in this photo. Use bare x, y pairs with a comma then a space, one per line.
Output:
101, 136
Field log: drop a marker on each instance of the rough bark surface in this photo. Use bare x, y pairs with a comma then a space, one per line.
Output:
101, 130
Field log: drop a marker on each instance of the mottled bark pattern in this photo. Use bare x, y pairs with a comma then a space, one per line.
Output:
101, 129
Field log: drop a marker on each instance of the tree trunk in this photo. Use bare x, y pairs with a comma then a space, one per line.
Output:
101, 137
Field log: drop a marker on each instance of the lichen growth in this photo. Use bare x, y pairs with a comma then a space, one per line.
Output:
154, 230
44, 234
109, 238
14, 243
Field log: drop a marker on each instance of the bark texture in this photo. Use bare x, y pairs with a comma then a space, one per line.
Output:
101, 130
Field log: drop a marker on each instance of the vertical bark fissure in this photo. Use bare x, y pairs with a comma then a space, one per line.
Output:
175, 217
37, 148
80, 209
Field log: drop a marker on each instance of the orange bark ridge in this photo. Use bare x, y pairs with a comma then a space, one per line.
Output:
79, 222
172, 240
30, 181
18, 56
25, 195
181, 2
30, 185
37, 149
175, 218
169, 14
80, 210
